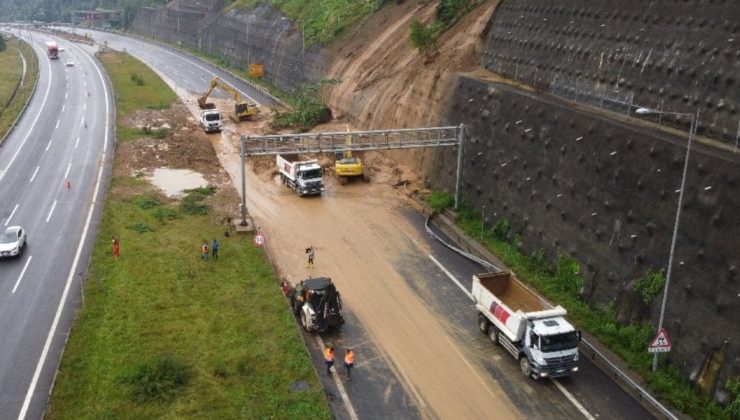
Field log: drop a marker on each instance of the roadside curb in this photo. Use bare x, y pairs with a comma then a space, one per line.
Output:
23, 109
607, 361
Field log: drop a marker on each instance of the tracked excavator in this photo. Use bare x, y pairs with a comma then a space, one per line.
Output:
346, 166
243, 110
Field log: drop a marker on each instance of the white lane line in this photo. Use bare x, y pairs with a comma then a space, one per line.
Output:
33, 124
84, 83
562, 389
34, 174
28, 261
11, 215
84, 106
63, 107
72, 271
66, 174
340, 386
77, 142
53, 206
444, 270
573, 400
82, 121
49, 144
57, 126
65, 95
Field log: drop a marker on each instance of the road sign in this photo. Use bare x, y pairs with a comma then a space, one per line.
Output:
259, 239
256, 70
661, 343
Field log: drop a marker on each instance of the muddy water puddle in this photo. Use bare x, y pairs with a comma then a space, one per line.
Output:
174, 181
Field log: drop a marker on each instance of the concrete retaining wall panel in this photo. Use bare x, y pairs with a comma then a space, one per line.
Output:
678, 56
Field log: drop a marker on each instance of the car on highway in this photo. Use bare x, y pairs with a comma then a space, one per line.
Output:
70, 63
12, 241
61, 48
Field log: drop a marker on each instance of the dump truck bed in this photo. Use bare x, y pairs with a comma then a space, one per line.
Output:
512, 292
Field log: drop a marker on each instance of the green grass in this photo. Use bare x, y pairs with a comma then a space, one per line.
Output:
322, 21
162, 333
12, 67
561, 284
137, 88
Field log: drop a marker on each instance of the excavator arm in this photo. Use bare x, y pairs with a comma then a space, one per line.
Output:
242, 109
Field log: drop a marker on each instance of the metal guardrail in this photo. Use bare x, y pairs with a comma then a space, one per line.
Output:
623, 380
351, 140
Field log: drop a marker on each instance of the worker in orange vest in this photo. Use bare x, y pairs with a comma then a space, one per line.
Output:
329, 358
349, 362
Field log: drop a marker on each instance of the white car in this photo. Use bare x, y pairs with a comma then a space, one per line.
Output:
12, 241
70, 63
61, 48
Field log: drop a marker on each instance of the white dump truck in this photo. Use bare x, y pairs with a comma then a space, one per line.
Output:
304, 176
535, 333
210, 120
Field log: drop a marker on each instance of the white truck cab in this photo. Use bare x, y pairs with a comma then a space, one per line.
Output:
210, 120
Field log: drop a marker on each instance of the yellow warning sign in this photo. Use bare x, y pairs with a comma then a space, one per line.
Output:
256, 70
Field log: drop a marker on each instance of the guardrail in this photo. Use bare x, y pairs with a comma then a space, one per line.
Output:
587, 349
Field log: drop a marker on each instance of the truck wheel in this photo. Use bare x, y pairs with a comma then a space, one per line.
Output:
304, 322
483, 324
526, 367
493, 333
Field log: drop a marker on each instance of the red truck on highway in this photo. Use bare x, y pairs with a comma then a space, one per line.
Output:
53, 50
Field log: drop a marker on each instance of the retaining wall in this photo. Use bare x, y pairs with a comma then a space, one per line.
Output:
572, 182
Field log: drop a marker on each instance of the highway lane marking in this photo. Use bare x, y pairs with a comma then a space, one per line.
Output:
66, 174
573, 400
77, 142
28, 261
49, 144
73, 269
84, 106
52, 330
447, 272
63, 106
33, 124
7, 221
34, 174
53, 206
562, 389
338, 383
57, 126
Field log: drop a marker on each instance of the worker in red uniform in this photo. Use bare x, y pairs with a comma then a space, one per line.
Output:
349, 362
329, 358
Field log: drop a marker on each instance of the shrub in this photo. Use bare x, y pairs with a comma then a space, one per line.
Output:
650, 285
163, 214
136, 78
147, 203
449, 11
308, 110
501, 229
159, 379
568, 275
141, 227
422, 37
161, 133
192, 201
439, 201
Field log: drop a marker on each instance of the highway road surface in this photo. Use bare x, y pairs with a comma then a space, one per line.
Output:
53, 172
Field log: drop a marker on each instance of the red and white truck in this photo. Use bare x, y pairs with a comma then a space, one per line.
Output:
304, 176
516, 318
53, 50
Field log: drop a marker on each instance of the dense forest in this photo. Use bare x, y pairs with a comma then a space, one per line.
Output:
59, 10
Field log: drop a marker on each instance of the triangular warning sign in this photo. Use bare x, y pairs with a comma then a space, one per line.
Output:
661, 342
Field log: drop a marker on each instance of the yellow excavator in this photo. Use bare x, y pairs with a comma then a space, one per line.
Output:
243, 110
347, 166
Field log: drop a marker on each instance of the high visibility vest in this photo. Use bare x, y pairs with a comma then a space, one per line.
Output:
349, 358
329, 355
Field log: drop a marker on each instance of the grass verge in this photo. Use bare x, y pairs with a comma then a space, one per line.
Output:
12, 67
561, 284
162, 333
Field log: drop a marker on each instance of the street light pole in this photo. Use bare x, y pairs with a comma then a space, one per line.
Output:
692, 135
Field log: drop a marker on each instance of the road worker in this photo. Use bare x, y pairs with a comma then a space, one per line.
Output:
329, 358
